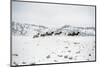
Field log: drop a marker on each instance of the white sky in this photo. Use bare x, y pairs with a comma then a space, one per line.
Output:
53, 14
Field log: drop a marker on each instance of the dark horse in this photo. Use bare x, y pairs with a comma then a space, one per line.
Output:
73, 34
49, 33
35, 36
58, 33
42, 35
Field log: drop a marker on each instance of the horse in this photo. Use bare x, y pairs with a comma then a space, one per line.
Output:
43, 35
58, 33
35, 36
73, 34
49, 33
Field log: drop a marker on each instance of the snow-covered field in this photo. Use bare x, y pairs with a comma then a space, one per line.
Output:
52, 49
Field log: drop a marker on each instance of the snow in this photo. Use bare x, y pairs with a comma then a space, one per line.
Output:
52, 49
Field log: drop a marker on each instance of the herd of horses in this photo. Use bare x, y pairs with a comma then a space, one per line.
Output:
54, 33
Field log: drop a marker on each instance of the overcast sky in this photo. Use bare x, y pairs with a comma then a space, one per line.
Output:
53, 14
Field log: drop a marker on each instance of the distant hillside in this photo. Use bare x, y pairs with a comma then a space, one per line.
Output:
32, 29
26, 29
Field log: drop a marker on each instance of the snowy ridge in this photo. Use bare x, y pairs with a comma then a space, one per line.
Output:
26, 29
32, 29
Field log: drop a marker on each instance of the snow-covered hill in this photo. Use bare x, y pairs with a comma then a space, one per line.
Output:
26, 29
32, 29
